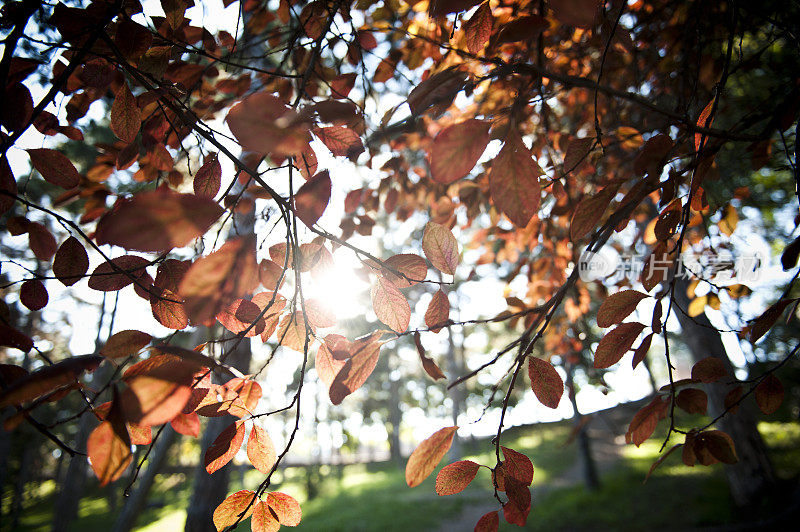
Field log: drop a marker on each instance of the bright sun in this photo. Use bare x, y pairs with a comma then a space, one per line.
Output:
339, 288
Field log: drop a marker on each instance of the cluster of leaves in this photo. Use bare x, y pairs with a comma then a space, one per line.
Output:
539, 140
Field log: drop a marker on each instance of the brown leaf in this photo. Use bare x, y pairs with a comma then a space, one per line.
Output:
106, 278
478, 29
55, 167
390, 305
710, 369
224, 447
33, 294
355, 372
427, 455
260, 450
589, 211
488, 522
71, 262
208, 178
641, 351
438, 311
719, 444
692, 400
455, 477
312, 198
645, 421
578, 13
661, 459
457, 149
125, 343
769, 394
236, 507
262, 123
48, 379
545, 382
157, 221
126, 119
514, 181
327, 365
615, 344
428, 364
440, 248
157, 393
341, 140
410, 269
440, 89
41, 241
617, 307
764, 323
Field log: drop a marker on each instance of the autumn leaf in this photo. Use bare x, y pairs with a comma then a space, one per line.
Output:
615, 344
438, 311
404, 269
340, 140
440, 248
455, 477
33, 294
514, 181
262, 123
478, 29
489, 522
263, 519
578, 13
354, 372
589, 211
457, 149
617, 307
126, 119
312, 198
208, 178
71, 261
55, 167
692, 400
109, 452
645, 421
769, 394
159, 393
224, 447
709, 369
260, 450
641, 352
285, 507
236, 507
427, 455
157, 221
390, 305
125, 343
186, 424
430, 367
545, 382
48, 379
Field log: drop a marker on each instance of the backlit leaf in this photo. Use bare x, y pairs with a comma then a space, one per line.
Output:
208, 178
340, 140
456, 150
410, 269
440, 248
430, 367
427, 455
33, 294
125, 343
235, 508
71, 261
617, 307
157, 394
769, 394
312, 198
263, 520
438, 311
514, 181
478, 29
355, 372
710, 369
48, 379
186, 424
615, 344
263, 123
126, 119
224, 447
589, 211
260, 450
109, 453
455, 477
55, 167
545, 382
285, 507
390, 305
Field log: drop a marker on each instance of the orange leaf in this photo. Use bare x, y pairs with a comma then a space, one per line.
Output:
341, 140
55, 167
441, 248
455, 477
514, 181
240, 315
109, 453
589, 211
456, 150
71, 262
263, 520
438, 311
125, 343
769, 394
703, 121
312, 198
292, 332
545, 382
488, 523
224, 447
428, 364
327, 365
355, 372
285, 507
260, 450
390, 305
157, 394
186, 424
427, 455
235, 508
617, 307
48, 379
157, 221
126, 119
615, 344
411, 269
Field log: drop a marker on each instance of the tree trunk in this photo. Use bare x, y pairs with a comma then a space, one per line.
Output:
752, 477
456, 393
588, 464
395, 418
135, 503
69, 496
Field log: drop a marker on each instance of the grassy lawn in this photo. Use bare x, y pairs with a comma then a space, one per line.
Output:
368, 497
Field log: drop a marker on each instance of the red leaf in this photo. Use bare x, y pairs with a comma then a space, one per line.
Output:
488, 523
157, 221
41, 241
456, 150
71, 262
33, 294
645, 421
703, 121
440, 248
216, 279
235, 508
514, 181
262, 123
615, 344
477, 31
769, 394
617, 307
208, 178
390, 305
710, 369
260, 450
355, 371
107, 279
719, 444
438, 311
224, 447
589, 211
11, 337
341, 140
109, 453
312, 198
126, 119
545, 382
48, 379
455, 477
125, 344
411, 269
55, 168
285, 507
342, 85
516, 466
514, 514
263, 520
642, 350
427, 455
186, 424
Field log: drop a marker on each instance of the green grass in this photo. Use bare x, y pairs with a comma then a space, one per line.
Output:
369, 497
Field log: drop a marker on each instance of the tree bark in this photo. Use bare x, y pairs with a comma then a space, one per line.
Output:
69, 496
135, 503
752, 477
590, 476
